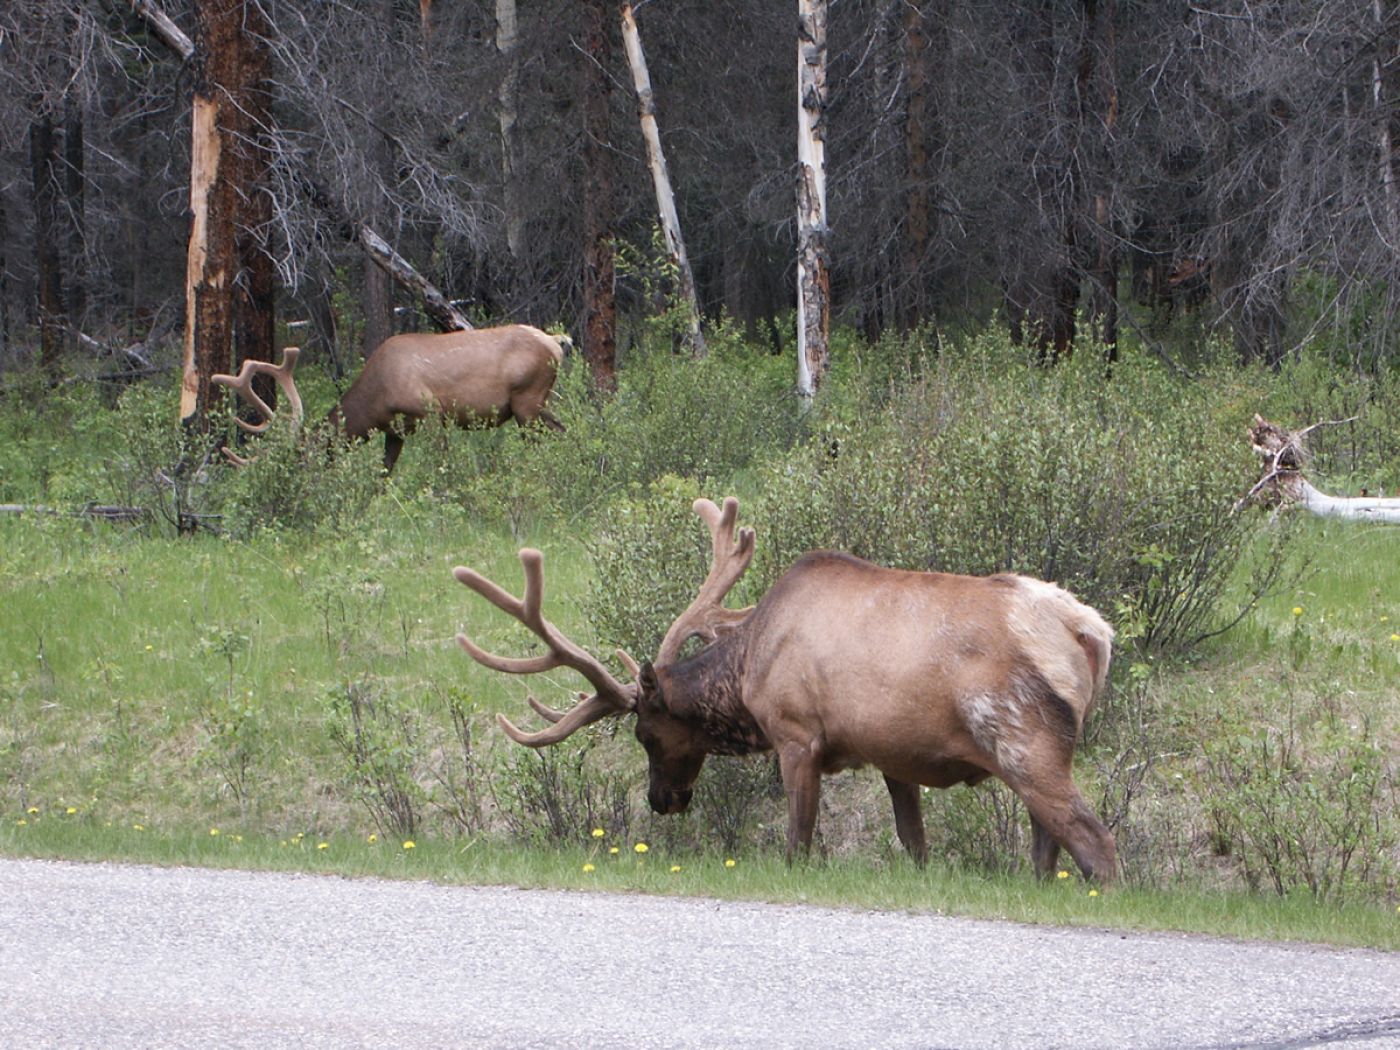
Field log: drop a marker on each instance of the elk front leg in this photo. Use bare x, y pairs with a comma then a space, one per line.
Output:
802, 780
393, 445
908, 818
1045, 851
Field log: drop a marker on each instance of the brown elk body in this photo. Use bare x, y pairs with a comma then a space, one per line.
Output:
934, 679
474, 377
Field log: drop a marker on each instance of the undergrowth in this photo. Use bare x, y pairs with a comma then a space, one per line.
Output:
288, 669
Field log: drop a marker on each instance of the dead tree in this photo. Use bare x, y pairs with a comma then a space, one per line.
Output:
661, 180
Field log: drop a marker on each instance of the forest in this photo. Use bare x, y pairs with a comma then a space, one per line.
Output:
969, 288
1099, 166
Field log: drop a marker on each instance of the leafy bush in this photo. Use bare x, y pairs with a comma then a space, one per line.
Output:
558, 795
299, 480
650, 555
378, 740
1122, 490
1320, 820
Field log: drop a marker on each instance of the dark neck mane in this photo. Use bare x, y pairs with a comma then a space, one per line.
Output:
705, 690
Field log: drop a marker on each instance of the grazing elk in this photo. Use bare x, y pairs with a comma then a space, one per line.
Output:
932, 678
481, 375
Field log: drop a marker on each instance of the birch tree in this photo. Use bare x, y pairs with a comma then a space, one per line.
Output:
813, 278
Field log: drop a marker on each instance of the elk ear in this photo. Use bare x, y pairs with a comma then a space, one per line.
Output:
650, 691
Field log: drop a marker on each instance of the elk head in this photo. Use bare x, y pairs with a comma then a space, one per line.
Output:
675, 748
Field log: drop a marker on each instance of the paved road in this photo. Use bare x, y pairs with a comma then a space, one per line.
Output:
111, 957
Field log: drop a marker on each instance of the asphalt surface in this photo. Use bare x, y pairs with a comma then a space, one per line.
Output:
115, 956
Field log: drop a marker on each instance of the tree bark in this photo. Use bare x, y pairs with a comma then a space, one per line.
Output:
44, 165
378, 293
1386, 117
599, 303
507, 115
813, 278
1284, 454
661, 182
1101, 48
228, 293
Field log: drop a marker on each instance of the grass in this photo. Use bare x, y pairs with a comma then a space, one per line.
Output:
890, 883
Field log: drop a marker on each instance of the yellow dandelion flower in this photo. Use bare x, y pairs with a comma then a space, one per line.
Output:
587, 868
138, 827
214, 832
1385, 619
21, 822
373, 838
613, 850
150, 648
1395, 637
1061, 874
1297, 610
71, 810
1093, 893
32, 810
641, 847
729, 863
410, 844
675, 868
597, 833
323, 845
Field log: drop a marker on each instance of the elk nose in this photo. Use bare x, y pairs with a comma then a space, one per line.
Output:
667, 800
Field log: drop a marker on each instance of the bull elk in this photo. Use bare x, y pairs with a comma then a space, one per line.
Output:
934, 679
482, 375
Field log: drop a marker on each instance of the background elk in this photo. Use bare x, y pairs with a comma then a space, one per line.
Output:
934, 679
481, 375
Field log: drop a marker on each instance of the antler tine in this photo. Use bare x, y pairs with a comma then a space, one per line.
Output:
611, 696
243, 385
706, 615
586, 713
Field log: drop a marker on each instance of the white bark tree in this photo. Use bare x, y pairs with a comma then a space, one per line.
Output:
661, 180
813, 278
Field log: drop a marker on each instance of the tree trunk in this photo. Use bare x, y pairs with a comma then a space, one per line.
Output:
228, 295
599, 304
74, 184
813, 278
1387, 114
916, 167
44, 166
1102, 92
378, 292
661, 182
507, 115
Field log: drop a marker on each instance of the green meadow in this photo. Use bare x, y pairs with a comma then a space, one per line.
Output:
280, 688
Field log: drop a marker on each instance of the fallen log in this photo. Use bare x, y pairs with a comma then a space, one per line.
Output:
1284, 453
91, 510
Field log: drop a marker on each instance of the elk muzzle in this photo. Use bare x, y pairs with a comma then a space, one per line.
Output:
667, 800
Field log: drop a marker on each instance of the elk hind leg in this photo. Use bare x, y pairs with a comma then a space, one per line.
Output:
1060, 815
908, 818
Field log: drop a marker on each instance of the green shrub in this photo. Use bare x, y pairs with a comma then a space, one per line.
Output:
300, 479
1122, 490
1319, 819
650, 555
378, 740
